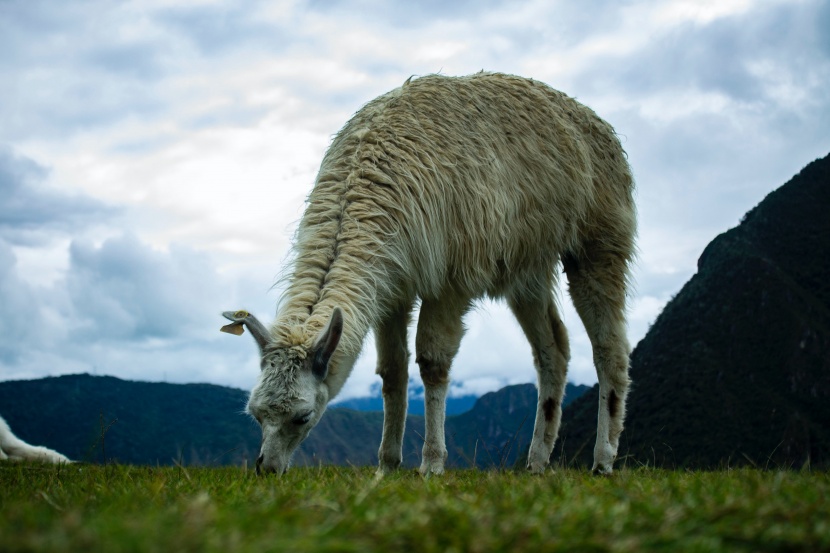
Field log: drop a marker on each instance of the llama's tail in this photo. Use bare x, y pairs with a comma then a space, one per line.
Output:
15, 449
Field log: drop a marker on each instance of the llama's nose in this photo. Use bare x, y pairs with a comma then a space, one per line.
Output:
263, 467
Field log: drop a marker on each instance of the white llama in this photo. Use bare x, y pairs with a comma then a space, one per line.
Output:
15, 449
443, 191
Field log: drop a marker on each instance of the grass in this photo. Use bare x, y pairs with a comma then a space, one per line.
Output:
126, 508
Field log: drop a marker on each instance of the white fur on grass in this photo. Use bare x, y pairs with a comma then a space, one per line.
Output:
15, 449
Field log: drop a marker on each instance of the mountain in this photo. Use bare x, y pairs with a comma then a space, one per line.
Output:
736, 369
98, 418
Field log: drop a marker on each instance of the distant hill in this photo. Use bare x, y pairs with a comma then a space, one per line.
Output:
148, 422
736, 369
97, 418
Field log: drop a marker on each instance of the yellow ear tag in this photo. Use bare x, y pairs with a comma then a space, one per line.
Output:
233, 328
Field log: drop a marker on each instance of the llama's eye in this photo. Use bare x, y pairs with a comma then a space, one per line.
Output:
300, 420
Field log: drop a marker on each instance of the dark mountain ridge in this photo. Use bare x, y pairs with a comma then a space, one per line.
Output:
97, 418
736, 369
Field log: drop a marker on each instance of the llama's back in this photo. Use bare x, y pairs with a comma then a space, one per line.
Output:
482, 181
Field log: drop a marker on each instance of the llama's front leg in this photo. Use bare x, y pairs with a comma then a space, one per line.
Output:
549, 341
393, 361
440, 330
436, 381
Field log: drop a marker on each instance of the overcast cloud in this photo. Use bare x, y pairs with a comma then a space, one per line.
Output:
155, 155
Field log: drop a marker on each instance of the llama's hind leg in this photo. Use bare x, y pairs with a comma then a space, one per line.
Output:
549, 342
440, 329
597, 283
393, 361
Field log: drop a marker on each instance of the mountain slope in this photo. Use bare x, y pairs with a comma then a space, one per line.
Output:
736, 369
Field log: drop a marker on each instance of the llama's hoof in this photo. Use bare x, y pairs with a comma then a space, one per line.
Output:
386, 470
432, 460
538, 459
537, 468
604, 456
431, 468
388, 465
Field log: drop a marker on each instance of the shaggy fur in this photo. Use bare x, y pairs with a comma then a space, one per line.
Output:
15, 449
446, 190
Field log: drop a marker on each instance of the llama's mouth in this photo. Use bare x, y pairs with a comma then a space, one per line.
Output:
262, 470
259, 469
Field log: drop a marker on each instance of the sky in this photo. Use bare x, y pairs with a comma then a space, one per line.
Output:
155, 156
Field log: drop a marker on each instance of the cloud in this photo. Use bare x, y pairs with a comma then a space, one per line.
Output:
175, 145
222, 29
28, 211
139, 60
20, 318
75, 66
725, 56
125, 308
124, 290
116, 305
406, 14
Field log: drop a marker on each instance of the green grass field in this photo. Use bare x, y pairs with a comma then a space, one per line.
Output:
124, 508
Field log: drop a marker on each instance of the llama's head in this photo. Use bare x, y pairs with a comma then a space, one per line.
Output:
291, 393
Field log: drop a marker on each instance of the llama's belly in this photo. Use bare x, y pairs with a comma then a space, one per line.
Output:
492, 266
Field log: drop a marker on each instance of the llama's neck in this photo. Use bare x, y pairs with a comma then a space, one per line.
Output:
307, 308
340, 263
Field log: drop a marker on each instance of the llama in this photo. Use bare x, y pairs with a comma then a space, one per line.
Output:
15, 449
443, 191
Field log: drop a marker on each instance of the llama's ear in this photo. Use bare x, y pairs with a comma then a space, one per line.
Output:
241, 319
326, 343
